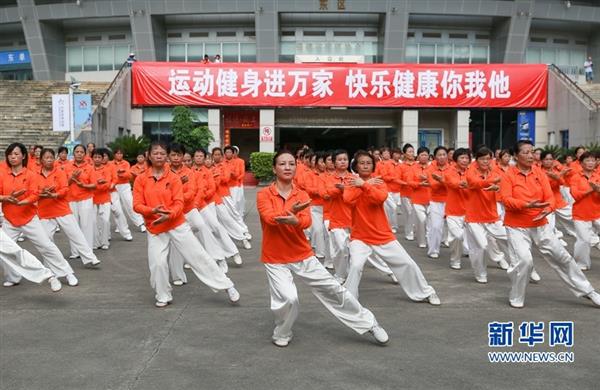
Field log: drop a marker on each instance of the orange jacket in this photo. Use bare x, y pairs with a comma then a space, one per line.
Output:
369, 222
500, 171
314, 185
24, 180
518, 189
190, 187
149, 192
222, 179
439, 193
236, 172
123, 170
555, 184
421, 194
456, 200
587, 204
241, 171
404, 174
340, 214
389, 172
282, 243
49, 208
481, 205
77, 193
138, 169
102, 191
206, 187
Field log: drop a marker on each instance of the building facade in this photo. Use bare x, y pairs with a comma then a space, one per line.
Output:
90, 40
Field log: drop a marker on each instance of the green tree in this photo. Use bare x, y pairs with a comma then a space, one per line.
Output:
186, 130
131, 145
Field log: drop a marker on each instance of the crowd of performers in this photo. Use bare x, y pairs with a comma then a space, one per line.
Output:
324, 217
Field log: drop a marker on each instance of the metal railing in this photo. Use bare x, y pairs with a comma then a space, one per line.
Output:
587, 99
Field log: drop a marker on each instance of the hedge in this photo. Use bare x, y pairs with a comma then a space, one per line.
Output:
261, 165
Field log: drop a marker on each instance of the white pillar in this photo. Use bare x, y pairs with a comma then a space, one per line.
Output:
461, 139
137, 121
266, 131
214, 125
541, 128
410, 127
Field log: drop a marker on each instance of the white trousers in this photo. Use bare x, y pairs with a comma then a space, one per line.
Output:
483, 237
204, 234
564, 217
456, 237
18, 262
186, 243
420, 217
566, 193
237, 194
339, 239
335, 298
71, 229
435, 227
317, 231
328, 263
85, 215
390, 205
209, 215
520, 241
501, 210
409, 217
126, 198
239, 218
234, 229
402, 265
585, 237
118, 215
102, 225
51, 256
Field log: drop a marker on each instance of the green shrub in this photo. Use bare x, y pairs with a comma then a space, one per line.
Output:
261, 165
131, 145
187, 132
556, 151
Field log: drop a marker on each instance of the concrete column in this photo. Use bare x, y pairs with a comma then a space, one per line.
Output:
461, 137
410, 127
149, 35
137, 121
541, 128
214, 125
510, 36
267, 31
266, 131
395, 28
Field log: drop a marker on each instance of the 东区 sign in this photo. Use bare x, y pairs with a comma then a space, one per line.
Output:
340, 85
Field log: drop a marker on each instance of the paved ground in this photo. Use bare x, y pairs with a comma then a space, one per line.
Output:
107, 334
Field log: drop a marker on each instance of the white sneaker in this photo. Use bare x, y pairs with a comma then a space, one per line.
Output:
594, 297
434, 300
379, 334
562, 242
233, 294
410, 237
422, 245
455, 265
117, 230
582, 267
143, 228
534, 277
281, 342
162, 304
246, 244
72, 280
434, 255
20, 239
394, 278
73, 257
129, 238
104, 247
95, 262
248, 236
519, 305
178, 282
55, 284
503, 264
237, 259
394, 230
446, 244
481, 279
9, 284
187, 266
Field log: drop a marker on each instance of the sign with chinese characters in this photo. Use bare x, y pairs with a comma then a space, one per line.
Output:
14, 57
82, 112
340, 85
526, 126
266, 134
60, 113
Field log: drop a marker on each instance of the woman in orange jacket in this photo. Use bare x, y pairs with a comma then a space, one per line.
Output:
406, 191
563, 211
418, 180
435, 216
284, 214
371, 233
102, 177
54, 210
456, 184
19, 195
123, 187
158, 197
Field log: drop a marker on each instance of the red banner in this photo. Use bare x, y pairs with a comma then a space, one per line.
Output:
340, 85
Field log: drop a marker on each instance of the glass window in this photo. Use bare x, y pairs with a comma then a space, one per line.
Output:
288, 51
195, 52
461, 54
231, 52
533, 55
563, 57
548, 56
479, 54
411, 54
248, 52
427, 54
177, 52
444, 53
74, 61
213, 49
106, 58
121, 54
577, 57
90, 59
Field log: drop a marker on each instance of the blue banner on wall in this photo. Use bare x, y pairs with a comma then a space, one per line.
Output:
82, 112
14, 57
526, 126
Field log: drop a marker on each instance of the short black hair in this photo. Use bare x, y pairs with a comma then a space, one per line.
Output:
460, 152
585, 155
483, 151
280, 153
520, 144
440, 148
47, 150
177, 148
21, 147
228, 147
406, 147
423, 149
63, 149
360, 153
